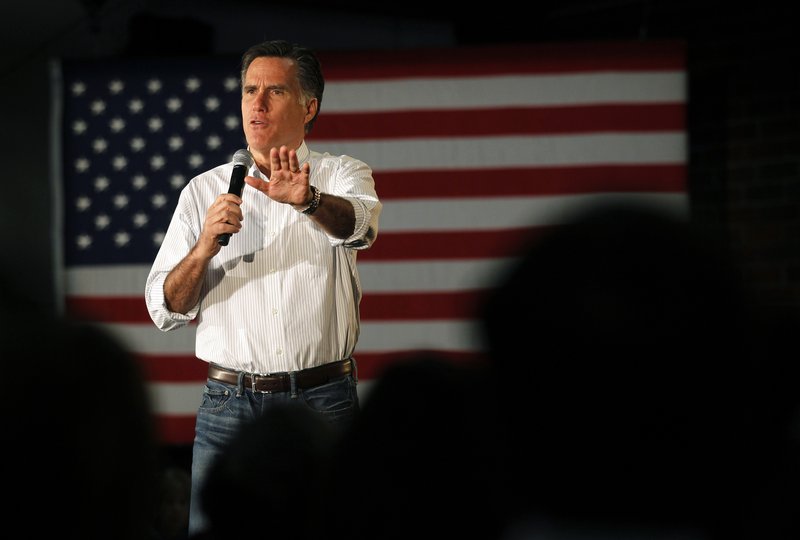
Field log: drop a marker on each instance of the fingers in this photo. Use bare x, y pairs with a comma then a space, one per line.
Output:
283, 159
224, 216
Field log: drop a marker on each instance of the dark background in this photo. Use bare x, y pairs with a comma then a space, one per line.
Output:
743, 108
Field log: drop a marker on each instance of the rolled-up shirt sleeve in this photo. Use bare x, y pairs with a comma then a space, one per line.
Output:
180, 237
354, 182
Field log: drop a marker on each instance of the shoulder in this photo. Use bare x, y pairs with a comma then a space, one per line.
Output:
206, 185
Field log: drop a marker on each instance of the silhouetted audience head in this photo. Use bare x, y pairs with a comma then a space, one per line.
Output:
79, 453
172, 513
277, 467
627, 365
424, 454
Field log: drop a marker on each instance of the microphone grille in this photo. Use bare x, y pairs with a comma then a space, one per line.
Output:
243, 157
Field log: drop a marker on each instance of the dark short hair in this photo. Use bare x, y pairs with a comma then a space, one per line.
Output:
309, 70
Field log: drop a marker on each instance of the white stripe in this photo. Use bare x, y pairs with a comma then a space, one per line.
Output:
504, 91
497, 213
406, 216
375, 337
182, 399
144, 338
450, 153
430, 276
395, 336
176, 398
111, 280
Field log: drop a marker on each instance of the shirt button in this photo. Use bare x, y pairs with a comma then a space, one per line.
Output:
279, 352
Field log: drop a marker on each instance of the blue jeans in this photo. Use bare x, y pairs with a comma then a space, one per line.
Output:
226, 407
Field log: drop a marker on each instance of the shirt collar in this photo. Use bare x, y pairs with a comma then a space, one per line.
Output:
302, 152
302, 156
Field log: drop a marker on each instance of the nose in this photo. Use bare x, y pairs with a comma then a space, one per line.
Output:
261, 100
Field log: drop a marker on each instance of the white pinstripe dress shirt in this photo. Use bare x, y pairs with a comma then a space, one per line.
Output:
282, 295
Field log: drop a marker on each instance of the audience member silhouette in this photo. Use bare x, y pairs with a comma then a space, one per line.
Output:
79, 453
426, 466
635, 391
279, 466
172, 513
630, 391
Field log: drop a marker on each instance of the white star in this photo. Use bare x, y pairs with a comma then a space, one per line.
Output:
78, 127
81, 164
158, 200
84, 241
102, 221
120, 200
139, 182
192, 84
99, 145
119, 162
193, 123
195, 160
117, 124
155, 124
83, 203
101, 183
231, 84
140, 219
116, 86
122, 238
97, 106
175, 142
135, 105
212, 103
157, 162
153, 86
177, 181
78, 88
213, 142
174, 104
137, 144
231, 122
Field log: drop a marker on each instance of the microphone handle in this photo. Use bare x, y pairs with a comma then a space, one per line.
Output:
235, 187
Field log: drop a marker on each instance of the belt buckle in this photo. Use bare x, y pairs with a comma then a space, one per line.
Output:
253, 378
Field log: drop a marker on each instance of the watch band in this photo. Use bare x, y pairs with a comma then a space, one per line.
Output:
314, 204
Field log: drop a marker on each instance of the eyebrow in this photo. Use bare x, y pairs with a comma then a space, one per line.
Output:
270, 87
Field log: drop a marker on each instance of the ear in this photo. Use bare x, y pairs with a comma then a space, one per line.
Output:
311, 110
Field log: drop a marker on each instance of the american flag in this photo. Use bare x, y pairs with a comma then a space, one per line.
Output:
473, 150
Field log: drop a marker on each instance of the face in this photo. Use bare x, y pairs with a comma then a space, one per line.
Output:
274, 112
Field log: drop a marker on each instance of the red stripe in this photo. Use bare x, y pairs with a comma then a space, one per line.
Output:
173, 429
500, 182
503, 59
374, 306
505, 121
449, 245
173, 368
179, 429
188, 369
107, 308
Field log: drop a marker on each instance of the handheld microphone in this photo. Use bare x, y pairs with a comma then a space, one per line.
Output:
242, 160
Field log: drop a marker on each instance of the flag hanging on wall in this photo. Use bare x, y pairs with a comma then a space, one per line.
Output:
473, 150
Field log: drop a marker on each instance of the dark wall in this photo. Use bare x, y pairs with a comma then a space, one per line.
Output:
744, 98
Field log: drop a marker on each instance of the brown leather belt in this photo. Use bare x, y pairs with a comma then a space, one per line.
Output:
269, 383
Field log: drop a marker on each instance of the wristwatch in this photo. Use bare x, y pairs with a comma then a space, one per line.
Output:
314, 204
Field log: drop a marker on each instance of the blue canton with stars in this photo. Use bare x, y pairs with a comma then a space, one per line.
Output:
134, 133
